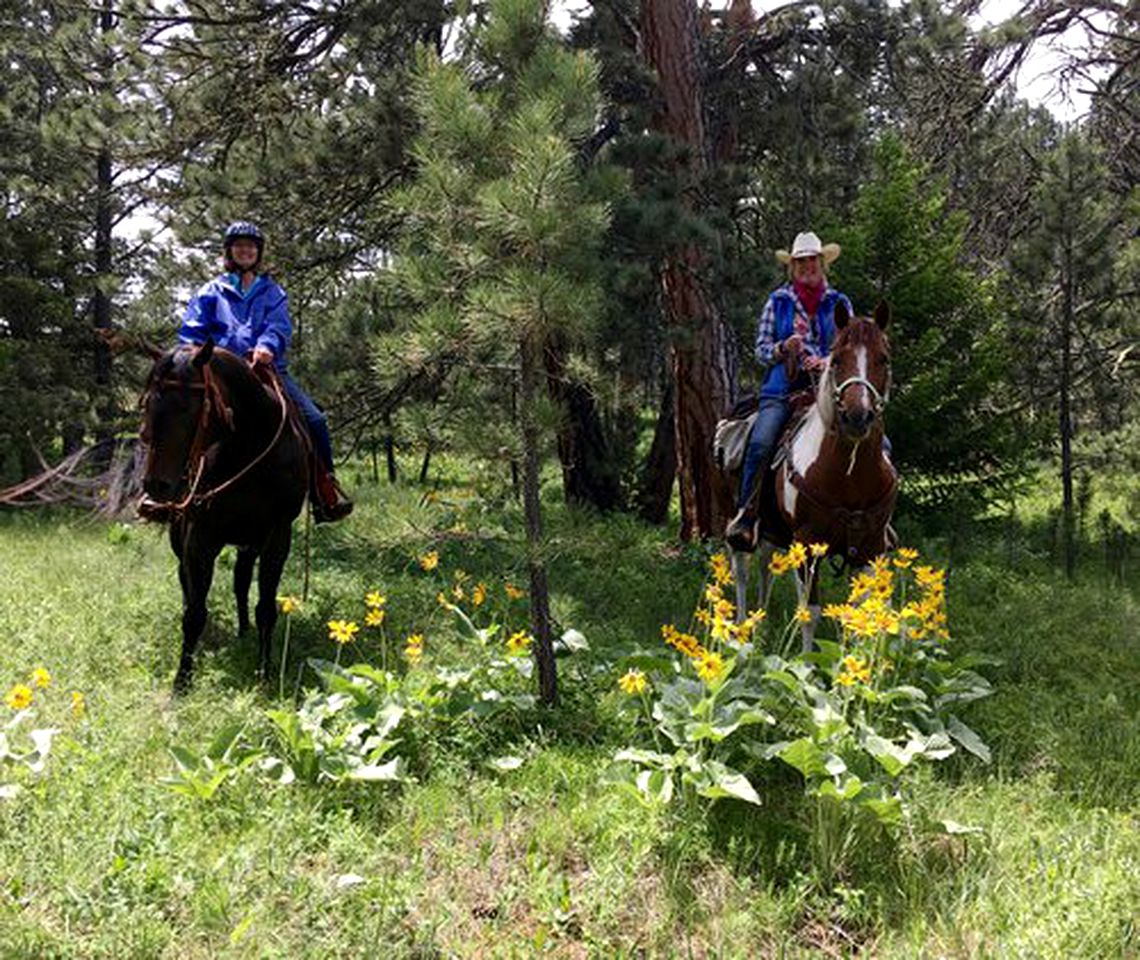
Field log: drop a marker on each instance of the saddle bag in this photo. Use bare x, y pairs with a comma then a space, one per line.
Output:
730, 440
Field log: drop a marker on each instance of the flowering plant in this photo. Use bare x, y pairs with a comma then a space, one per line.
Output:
852, 716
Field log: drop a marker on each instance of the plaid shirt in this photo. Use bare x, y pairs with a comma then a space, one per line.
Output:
766, 341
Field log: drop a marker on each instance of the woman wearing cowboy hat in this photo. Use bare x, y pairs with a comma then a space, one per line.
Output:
797, 327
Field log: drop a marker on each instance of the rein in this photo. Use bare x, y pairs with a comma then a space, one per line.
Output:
198, 446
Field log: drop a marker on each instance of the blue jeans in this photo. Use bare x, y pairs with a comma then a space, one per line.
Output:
317, 422
770, 420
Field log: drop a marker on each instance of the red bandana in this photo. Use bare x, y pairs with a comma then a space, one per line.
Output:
809, 296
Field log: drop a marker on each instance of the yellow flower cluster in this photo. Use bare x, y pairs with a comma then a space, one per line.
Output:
22, 695
633, 682
721, 571
343, 631
288, 604
374, 617
479, 594
927, 616
513, 592
709, 664
374, 600
414, 648
518, 643
796, 557
429, 561
855, 670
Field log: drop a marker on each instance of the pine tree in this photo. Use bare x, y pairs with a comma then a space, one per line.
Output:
500, 253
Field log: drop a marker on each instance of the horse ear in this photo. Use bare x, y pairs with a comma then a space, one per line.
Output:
202, 357
842, 316
883, 314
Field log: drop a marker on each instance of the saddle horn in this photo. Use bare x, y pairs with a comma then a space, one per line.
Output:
202, 357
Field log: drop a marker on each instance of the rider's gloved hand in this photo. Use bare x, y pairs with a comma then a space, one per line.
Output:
262, 355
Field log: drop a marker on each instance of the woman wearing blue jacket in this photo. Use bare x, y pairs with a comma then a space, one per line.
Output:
246, 312
793, 338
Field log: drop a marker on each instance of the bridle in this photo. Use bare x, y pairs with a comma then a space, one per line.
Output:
879, 401
196, 460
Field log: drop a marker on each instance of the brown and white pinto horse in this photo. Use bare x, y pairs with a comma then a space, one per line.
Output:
834, 482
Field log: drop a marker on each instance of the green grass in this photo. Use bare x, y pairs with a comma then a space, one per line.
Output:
99, 859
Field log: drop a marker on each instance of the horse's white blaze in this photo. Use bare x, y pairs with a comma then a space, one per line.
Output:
861, 367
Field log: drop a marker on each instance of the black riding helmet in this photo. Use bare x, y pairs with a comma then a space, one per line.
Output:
237, 230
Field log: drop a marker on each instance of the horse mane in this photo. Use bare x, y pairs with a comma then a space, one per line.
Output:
859, 332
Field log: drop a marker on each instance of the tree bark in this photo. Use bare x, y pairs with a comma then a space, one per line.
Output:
701, 352
529, 387
584, 450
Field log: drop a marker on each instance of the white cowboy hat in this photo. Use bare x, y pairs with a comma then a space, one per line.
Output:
808, 245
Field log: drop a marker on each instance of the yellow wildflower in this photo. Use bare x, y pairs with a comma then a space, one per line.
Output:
721, 571
904, 557
723, 629
803, 615
632, 682
518, 643
797, 554
724, 609
513, 592
709, 666
414, 648
779, 564
846, 679
689, 645
41, 678
479, 594
930, 578
19, 697
441, 599
374, 617
457, 592
429, 561
750, 623
375, 599
712, 593
288, 604
342, 631
818, 549
78, 704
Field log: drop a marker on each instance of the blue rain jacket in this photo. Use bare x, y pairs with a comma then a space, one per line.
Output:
238, 321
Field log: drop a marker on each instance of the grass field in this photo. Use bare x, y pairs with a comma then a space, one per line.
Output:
98, 858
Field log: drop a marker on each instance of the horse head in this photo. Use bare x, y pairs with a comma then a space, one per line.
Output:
856, 387
177, 403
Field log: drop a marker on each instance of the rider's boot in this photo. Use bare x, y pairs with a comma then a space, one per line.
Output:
330, 502
740, 533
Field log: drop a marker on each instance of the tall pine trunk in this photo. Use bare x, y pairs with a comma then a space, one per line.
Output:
660, 469
104, 185
530, 384
701, 351
1068, 540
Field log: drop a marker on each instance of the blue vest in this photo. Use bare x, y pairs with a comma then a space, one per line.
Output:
776, 380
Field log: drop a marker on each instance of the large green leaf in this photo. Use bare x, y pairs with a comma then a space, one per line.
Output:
969, 740
805, 756
726, 782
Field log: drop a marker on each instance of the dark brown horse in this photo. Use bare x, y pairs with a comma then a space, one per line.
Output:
834, 482
226, 465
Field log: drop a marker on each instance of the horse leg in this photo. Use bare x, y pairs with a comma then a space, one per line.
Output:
196, 572
739, 562
273, 556
809, 600
243, 577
